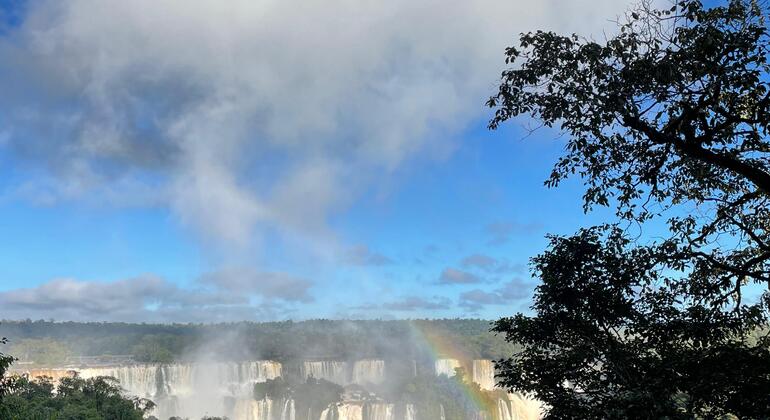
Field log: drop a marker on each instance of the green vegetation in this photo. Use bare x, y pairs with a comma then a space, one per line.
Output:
658, 316
428, 393
44, 351
281, 341
6, 383
310, 396
74, 399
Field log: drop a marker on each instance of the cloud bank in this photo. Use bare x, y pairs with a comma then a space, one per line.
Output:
250, 121
228, 295
246, 115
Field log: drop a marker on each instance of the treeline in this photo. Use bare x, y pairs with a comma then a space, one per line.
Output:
55, 343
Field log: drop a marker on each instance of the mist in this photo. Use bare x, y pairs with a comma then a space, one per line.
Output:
319, 370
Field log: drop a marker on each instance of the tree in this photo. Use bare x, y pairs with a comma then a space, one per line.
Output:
667, 121
6, 382
75, 398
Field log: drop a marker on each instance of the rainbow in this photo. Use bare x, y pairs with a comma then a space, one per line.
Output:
441, 347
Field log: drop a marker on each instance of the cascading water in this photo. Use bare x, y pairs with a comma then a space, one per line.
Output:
446, 367
343, 411
522, 408
484, 374
190, 389
409, 412
247, 409
289, 412
185, 379
378, 411
368, 371
138, 380
348, 411
332, 371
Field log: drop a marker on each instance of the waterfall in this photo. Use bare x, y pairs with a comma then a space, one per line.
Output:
368, 371
246, 409
348, 411
446, 367
378, 411
441, 410
177, 379
138, 380
409, 413
484, 374
332, 371
343, 411
288, 412
265, 409
503, 410
189, 389
523, 408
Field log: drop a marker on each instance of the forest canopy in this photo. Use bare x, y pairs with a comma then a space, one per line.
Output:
52, 343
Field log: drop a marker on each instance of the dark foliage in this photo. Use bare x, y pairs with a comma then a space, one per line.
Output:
6, 382
666, 121
75, 399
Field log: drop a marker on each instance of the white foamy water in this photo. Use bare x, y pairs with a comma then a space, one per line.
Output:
484, 374
186, 379
265, 409
348, 411
409, 412
368, 371
446, 367
378, 411
138, 380
519, 407
330, 370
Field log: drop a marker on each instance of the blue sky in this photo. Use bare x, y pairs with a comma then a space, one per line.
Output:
168, 163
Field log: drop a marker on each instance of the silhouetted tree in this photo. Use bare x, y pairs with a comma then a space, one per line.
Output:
6, 382
666, 121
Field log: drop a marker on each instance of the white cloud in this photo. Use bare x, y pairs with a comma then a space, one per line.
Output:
221, 296
271, 285
509, 293
244, 114
455, 276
